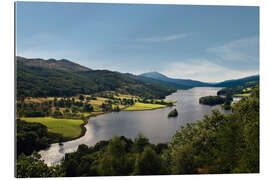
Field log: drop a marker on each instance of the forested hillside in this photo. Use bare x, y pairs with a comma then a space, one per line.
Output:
247, 82
43, 78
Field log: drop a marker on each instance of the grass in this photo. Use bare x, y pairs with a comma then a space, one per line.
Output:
126, 96
88, 114
242, 95
142, 106
247, 89
72, 128
98, 101
39, 100
69, 128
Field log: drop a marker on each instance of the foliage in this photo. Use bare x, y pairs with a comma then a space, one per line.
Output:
148, 163
173, 113
118, 156
219, 143
32, 136
211, 100
140, 142
32, 166
227, 102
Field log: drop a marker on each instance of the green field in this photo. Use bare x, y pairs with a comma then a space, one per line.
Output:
67, 127
143, 106
242, 95
247, 89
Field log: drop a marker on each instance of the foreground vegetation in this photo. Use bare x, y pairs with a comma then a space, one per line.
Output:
219, 143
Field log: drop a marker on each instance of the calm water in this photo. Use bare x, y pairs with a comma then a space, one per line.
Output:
152, 123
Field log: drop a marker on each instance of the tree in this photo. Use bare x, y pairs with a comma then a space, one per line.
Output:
148, 163
228, 100
57, 114
114, 161
248, 110
140, 142
211, 100
184, 160
229, 143
81, 97
32, 166
88, 108
70, 167
30, 137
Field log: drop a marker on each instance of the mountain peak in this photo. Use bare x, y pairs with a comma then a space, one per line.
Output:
62, 64
154, 75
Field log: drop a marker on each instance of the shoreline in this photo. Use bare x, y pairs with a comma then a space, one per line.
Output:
82, 126
149, 109
87, 118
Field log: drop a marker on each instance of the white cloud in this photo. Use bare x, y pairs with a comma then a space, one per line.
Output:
244, 50
161, 38
203, 70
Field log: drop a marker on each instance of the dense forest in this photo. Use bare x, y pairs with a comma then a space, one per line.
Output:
219, 143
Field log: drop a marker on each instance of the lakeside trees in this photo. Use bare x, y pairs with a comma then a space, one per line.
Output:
33, 137
211, 100
220, 143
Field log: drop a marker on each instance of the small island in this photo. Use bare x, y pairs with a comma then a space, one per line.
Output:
211, 100
173, 113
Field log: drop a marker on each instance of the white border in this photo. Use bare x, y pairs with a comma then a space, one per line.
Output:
7, 85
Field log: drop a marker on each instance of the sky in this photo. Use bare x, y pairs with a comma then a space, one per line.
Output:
206, 43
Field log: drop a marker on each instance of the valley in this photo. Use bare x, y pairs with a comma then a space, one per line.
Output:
134, 89
77, 106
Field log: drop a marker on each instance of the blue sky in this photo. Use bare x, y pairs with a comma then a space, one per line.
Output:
207, 43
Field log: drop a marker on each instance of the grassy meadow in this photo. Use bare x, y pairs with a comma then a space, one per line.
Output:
242, 95
69, 128
143, 106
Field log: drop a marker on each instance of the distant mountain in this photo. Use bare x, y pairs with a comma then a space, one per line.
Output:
155, 75
43, 78
193, 83
157, 81
239, 82
62, 64
182, 82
